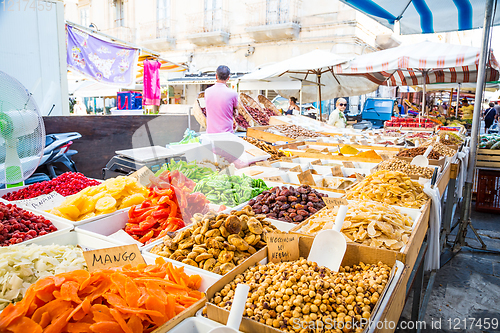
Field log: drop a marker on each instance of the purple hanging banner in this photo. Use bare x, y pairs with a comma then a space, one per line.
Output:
100, 60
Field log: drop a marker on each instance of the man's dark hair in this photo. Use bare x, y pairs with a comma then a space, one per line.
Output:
223, 72
492, 104
293, 99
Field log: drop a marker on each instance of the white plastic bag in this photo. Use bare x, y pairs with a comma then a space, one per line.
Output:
432, 259
463, 156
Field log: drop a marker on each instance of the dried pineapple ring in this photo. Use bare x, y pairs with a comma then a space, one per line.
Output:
86, 216
105, 203
70, 212
87, 205
131, 200
108, 211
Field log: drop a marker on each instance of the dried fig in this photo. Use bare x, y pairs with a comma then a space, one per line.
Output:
190, 262
250, 238
216, 269
238, 242
203, 256
233, 224
223, 231
254, 226
251, 250
213, 233
208, 264
225, 256
226, 268
193, 255
213, 243
186, 243
214, 252
169, 244
198, 239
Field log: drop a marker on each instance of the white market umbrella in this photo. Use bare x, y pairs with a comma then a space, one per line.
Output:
315, 70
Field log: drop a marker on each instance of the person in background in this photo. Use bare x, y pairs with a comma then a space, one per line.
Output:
467, 110
489, 116
79, 108
497, 109
337, 117
221, 103
292, 107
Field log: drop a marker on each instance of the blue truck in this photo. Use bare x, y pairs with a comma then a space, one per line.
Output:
378, 110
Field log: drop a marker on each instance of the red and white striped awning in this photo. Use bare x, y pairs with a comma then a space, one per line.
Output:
406, 65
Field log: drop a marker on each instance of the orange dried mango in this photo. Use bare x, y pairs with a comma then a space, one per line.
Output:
121, 299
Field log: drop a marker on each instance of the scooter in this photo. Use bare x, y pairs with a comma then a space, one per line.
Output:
56, 151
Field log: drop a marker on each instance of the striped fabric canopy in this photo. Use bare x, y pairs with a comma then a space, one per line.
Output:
406, 65
426, 16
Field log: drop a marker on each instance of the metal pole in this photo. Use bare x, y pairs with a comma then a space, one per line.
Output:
300, 97
476, 121
319, 97
458, 99
423, 95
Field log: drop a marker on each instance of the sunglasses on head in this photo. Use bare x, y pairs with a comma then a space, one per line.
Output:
342, 104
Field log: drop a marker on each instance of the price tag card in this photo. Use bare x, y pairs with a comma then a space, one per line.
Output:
348, 165
263, 163
287, 159
317, 162
256, 152
359, 177
364, 142
142, 175
306, 178
252, 173
334, 202
276, 179
385, 157
282, 247
113, 257
296, 169
42, 202
337, 171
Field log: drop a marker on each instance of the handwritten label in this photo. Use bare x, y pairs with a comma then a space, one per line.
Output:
42, 202
282, 247
359, 176
287, 159
316, 162
142, 175
364, 142
306, 178
348, 164
337, 171
113, 257
256, 152
276, 179
263, 163
334, 202
252, 173
385, 157
296, 169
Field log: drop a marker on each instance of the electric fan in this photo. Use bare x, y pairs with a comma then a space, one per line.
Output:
22, 133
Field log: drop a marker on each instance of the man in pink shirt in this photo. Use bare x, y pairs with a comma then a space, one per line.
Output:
220, 102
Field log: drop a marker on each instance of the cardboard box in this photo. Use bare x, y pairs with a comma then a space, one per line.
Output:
353, 256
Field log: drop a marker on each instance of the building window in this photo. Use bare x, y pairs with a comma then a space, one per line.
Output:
84, 17
277, 11
119, 13
213, 15
162, 18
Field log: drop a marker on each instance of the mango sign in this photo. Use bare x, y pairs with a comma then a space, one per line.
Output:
113, 257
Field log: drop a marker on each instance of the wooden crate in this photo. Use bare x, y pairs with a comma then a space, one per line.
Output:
260, 133
488, 158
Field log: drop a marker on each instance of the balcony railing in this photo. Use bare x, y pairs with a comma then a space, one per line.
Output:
123, 33
157, 35
272, 12
209, 27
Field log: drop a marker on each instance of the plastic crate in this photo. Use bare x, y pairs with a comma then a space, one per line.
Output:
488, 191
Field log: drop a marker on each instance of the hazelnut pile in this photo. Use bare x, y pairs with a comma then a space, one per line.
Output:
412, 152
287, 293
395, 164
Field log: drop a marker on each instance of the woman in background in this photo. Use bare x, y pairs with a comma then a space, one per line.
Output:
293, 106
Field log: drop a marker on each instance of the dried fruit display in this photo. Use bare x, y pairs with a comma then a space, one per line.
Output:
120, 299
293, 131
275, 153
18, 225
261, 117
169, 206
269, 112
395, 164
23, 265
390, 187
66, 184
241, 121
367, 222
284, 294
204, 111
114, 193
440, 148
289, 204
412, 152
217, 243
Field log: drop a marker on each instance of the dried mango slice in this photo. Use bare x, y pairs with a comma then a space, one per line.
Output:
105, 203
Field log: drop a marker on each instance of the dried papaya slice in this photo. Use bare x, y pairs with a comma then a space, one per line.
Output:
106, 327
